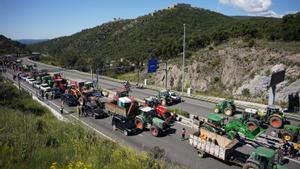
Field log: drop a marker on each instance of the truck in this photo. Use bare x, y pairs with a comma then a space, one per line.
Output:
124, 106
223, 148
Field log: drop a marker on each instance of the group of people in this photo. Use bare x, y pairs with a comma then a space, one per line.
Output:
288, 149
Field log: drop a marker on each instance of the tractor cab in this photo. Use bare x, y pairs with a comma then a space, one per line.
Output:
216, 120
152, 101
262, 158
121, 93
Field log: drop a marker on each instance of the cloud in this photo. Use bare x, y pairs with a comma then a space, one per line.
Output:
253, 7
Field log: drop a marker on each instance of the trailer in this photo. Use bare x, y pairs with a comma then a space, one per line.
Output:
223, 148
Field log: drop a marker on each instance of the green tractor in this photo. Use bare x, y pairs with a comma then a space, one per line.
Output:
226, 107
148, 119
290, 133
262, 158
233, 128
271, 116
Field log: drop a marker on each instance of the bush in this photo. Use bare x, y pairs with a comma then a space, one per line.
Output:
246, 93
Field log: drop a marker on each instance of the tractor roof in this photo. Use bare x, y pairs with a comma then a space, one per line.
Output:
265, 152
125, 100
146, 109
215, 117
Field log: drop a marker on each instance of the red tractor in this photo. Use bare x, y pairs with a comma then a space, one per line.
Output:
121, 93
161, 111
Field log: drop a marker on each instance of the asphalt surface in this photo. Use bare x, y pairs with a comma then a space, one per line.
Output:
177, 151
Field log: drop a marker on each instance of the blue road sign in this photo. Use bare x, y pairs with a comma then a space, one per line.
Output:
152, 65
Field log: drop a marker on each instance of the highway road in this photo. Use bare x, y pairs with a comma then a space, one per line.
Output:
177, 151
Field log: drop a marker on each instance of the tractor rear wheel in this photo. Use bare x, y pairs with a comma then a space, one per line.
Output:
228, 111
287, 136
139, 124
154, 131
276, 122
251, 166
251, 125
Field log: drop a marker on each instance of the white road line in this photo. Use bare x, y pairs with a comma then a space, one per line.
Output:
140, 135
296, 161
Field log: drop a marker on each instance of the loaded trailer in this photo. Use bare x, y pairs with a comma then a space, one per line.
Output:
223, 148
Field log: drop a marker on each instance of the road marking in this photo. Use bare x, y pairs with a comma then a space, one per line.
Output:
140, 135
296, 161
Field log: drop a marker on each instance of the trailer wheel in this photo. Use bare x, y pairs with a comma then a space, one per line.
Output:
216, 110
114, 127
201, 154
154, 131
251, 125
139, 124
251, 166
125, 132
287, 136
276, 122
228, 111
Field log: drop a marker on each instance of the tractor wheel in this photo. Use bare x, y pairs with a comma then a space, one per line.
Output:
154, 131
251, 166
251, 125
139, 124
125, 132
216, 110
276, 122
201, 154
114, 127
287, 136
228, 111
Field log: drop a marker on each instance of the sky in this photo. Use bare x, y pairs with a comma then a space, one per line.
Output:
47, 19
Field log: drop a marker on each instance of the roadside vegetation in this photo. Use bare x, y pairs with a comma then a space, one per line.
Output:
31, 137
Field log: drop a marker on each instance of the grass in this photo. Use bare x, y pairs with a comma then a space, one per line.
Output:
180, 112
31, 137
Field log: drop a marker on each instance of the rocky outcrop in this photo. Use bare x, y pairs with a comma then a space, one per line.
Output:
236, 69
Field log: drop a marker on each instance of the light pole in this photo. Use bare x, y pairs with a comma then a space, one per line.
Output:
183, 59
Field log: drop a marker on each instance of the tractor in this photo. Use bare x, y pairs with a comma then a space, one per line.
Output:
161, 111
262, 158
226, 107
232, 129
164, 97
148, 118
290, 133
271, 116
121, 93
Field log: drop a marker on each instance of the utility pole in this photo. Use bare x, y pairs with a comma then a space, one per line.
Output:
166, 75
183, 59
97, 76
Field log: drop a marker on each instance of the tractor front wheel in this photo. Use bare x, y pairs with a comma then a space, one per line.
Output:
154, 131
251, 166
251, 125
139, 124
287, 136
276, 122
216, 110
228, 111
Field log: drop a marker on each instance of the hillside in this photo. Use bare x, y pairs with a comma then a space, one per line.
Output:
159, 34
8, 46
31, 41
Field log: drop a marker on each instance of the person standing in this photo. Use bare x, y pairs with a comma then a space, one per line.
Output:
280, 155
62, 108
183, 132
78, 110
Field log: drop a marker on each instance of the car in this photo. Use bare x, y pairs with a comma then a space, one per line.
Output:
92, 109
29, 79
69, 99
174, 97
56, 92
37, 84
43, 86
23, 76
32, 81
123, 124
